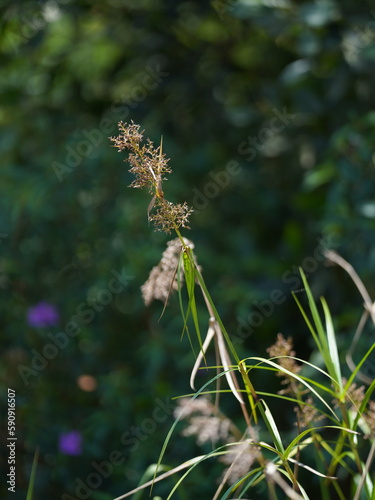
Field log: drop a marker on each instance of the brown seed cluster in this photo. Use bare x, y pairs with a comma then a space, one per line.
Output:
150, 166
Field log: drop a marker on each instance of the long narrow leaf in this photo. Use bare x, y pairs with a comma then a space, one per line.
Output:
185, 315
297, 377
189, 270
178, 418
359, 366
217, 316
272, 427
332, 347
361, 409
210, 335
167, 474
297, 439
30, 489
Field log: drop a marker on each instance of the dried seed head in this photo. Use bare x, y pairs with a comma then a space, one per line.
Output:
164, 277
204, 423
240, 458
307, 413
284, 347
150, 166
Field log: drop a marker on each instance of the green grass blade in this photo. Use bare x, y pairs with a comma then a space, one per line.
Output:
170, 432
324, 340
315, 314
30, 489
359, 366
297, 377
189, 270
298, 438
185, 315
214, 453
308, 322
272, 427
149, 473
362, 408
332, 347
217, 316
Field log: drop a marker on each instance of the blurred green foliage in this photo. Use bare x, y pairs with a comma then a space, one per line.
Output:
284, 89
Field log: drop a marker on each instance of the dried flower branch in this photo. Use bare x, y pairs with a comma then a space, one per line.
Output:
284, 347
307, 413
150, 166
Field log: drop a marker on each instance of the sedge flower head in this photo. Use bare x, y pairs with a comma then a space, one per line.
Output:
149, 165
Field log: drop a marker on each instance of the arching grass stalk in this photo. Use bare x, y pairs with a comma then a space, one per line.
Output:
150, 167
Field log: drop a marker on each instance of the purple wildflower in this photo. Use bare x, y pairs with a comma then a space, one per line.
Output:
70, 443
42, 314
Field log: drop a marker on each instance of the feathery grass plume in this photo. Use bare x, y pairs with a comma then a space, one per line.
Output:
239, 459
209, 425
165, 276
150, 166
205, 422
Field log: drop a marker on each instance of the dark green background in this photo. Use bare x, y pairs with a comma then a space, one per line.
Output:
220, 72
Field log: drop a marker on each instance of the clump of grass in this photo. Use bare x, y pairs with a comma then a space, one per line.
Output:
334, 433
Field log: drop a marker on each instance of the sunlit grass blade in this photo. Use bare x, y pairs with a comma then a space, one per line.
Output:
296, 441
359, 366
167, 474
366, 482
254, 477
149, 473
30, 488
189, 270
273, 475
325, 340
229, 373
332, 347
298, 378
271, 426
316, 333
251, 394
362, 408
210, 335
185, 315
214, 453
217, 316
178, 418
